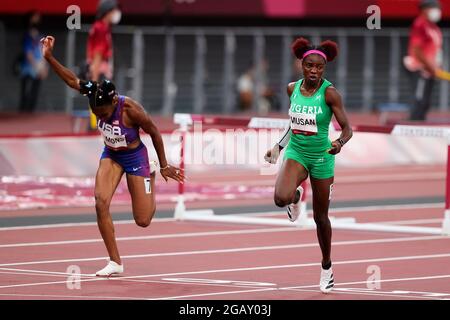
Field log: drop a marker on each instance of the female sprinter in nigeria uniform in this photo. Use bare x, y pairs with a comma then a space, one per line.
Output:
119, 119
309, 150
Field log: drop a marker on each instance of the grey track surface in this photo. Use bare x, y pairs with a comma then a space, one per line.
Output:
74, 218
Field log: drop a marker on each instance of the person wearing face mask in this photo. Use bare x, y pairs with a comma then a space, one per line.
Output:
99, 55
33, 67
424, 56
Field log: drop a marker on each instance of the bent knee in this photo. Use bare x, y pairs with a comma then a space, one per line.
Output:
144, 223
282, 200
144, 220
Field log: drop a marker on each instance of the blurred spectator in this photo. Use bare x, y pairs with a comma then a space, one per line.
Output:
99, 55
33, 67
424, 56
246, 90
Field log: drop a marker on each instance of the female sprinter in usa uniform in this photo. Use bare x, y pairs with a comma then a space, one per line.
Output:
310, 152
119, 120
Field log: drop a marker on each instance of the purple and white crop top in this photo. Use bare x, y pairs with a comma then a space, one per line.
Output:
115, 135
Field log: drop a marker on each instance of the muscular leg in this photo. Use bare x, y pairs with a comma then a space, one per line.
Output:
143, 202
291, 175
108, 177
321, 195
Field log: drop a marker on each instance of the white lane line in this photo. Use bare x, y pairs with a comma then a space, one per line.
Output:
412, 222
397, 291
303, 265
354, 291
214, 282
77, 224
355, 209
381, 280
45, 273
215, 294
190, 283
231, 250
391, 207
32, 273
336, 210
392, 222
439, 205
50, 283
272, 267
227, 284
152, 237
378, 293
368, 294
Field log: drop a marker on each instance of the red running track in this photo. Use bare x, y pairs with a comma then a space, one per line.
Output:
193, 260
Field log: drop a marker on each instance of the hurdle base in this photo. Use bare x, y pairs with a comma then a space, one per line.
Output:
241, 219
180, 208
182, 214
379, 227
303, 223
446, 223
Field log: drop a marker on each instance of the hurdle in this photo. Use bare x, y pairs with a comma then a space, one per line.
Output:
185, 122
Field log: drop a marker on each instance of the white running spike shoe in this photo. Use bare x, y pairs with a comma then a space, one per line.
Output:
294, 209
326, 280
110, 269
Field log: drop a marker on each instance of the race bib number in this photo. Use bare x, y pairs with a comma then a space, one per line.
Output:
148, 185
112, 135
114, 141
303, 122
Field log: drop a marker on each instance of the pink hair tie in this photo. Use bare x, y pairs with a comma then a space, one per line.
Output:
320, 53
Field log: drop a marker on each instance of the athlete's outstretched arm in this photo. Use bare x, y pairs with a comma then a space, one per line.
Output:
140, 117
67, 75
334, 100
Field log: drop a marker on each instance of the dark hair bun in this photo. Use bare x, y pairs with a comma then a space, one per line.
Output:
300, 46
88, 88
330, 48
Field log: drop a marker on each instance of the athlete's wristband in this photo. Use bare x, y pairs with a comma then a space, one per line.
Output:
341, 141
283, 141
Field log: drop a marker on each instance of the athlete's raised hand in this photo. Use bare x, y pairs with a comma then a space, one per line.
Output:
48, 43
172, 172
272, 155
